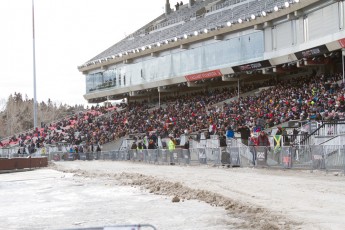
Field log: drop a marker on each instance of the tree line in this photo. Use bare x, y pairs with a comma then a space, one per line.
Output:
16, 113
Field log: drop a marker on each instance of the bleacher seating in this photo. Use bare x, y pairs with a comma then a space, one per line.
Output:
230, 10
304, 98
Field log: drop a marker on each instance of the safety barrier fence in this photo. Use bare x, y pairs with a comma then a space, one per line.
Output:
322, 157
16, 150
299, 157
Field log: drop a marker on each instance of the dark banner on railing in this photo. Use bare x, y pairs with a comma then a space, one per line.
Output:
261, 155
252, 66
319, 50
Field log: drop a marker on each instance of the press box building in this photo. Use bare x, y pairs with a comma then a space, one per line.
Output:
224, 40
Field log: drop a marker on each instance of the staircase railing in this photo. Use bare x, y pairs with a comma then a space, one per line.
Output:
326, 128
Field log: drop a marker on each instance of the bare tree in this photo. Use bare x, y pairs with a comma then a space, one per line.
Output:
16, 113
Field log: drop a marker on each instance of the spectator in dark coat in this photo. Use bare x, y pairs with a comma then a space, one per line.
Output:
245, 133
152, 144
263, 139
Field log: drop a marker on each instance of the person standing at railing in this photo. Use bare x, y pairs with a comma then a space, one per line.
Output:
245, 133
278, 142
186, 148
76, 155
154, 137
171, 148
222, 140
140, 150
252, 143
145, 142
230, 133
152, 144
92, 149
151, 153
98, 150
294, 135
134, 145
263, 139
87, 151
141, 145
171, 144
133, 153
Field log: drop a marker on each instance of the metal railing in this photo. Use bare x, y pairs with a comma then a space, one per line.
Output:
236, 154
322, 129
312, 157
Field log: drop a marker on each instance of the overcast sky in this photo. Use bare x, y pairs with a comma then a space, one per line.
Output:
68, 33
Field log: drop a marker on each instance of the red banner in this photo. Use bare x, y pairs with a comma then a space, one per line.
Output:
204, 75
342, 42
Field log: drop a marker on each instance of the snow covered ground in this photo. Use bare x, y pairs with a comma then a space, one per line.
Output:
84, 194
48, 199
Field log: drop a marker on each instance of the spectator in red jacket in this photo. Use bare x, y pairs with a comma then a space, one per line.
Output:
263, 139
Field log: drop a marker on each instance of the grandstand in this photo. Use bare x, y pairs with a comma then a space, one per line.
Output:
210, 65
217, 83
228, 39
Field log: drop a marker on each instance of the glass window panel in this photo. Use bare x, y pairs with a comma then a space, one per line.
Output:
227, 53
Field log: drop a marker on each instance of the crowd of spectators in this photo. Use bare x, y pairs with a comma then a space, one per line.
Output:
302, 98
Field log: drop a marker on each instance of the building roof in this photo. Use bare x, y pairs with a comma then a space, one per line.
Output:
207, 14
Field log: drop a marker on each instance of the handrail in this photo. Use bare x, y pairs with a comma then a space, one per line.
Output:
328, 140
323, 124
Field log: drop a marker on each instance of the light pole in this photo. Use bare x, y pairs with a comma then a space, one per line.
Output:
238, 88
159, 96
34, 62
342, 58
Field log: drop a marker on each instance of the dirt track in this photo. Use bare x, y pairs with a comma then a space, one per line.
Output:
263, 199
